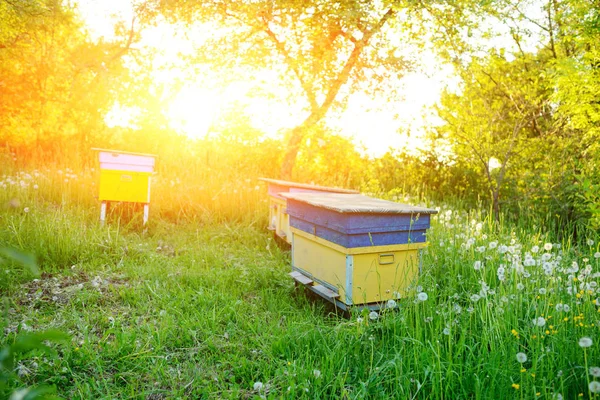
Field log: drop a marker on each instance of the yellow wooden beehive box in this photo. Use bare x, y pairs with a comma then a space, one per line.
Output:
279, 221
353, 249
125, 177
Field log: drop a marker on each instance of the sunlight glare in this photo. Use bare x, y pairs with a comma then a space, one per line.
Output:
192, 111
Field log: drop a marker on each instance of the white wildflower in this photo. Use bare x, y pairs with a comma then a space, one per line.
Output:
548, 246
373, 315
594, 387
595, 372
317, 373
590, 242
477, 265
258, 386
493, 245
391, 303
422, 296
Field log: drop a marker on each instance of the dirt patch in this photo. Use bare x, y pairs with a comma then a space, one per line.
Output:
60, 289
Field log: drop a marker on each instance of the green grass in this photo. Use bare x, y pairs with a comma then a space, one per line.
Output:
200, 306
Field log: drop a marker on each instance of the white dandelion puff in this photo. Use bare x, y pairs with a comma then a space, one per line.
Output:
422, 296
595, 372
539, 321
391, 303
521, 357
373, 315
590, 242
477, 265
258, 386
317, 373
548, 246
594, 386
585, 342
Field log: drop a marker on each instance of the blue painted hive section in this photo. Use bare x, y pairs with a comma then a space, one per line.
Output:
354, 220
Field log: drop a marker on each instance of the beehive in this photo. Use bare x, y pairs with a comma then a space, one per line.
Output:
278, 216
125, 177
353, 249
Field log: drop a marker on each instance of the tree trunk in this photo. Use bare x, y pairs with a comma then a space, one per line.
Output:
293, 146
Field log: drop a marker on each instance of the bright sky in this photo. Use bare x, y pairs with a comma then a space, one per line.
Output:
372, 122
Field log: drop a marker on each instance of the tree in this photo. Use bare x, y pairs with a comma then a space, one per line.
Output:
324, 51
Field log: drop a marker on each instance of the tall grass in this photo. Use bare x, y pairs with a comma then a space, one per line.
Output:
200, 305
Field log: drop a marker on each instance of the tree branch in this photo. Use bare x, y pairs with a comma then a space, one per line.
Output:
292, 64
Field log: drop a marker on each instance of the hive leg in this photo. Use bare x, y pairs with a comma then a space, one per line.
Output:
146, 211
102, 212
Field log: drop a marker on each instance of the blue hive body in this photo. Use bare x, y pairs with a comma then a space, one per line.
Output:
354, 220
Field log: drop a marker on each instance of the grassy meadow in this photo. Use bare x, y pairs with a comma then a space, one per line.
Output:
199, 304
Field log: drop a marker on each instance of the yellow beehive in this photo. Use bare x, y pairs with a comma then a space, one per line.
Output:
359, 275
353, 249
125, 177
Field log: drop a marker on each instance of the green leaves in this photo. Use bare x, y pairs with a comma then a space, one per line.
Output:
24, 259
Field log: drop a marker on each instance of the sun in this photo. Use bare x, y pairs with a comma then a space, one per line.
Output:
192, 111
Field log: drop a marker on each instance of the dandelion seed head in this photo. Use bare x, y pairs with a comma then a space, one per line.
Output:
595, 372
590, 242
317, 373
422, 296
548, 246
539, 321
521, 357
373, 315
391, 303
585, 342
594, 387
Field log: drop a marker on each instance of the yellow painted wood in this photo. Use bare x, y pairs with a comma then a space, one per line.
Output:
379, 273
128, 186
377, 279
321, 262
279, 219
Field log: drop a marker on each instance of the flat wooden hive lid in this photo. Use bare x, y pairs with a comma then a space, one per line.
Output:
356, 203
307, 186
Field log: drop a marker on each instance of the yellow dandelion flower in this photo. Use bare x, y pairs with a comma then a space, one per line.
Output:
532, 375
578, 295
523, 370
516, 386
538, 394
547, 332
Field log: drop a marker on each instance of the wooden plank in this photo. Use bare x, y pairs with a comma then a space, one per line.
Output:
325, 292
303, 279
